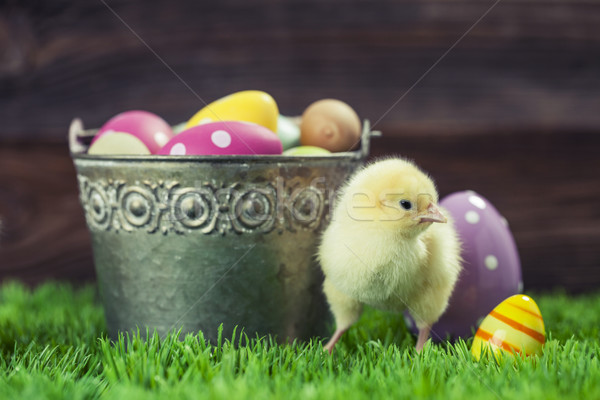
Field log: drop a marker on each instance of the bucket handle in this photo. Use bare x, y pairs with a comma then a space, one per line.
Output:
365, 139
80, 139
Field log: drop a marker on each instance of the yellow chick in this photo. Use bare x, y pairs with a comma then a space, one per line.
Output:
390, 246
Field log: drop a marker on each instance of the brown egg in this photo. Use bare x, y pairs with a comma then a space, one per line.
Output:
330, 124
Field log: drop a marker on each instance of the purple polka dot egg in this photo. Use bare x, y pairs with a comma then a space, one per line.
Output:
224, 138
491, 265
132, 132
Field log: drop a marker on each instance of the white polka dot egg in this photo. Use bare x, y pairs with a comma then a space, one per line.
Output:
491, 266
224, 138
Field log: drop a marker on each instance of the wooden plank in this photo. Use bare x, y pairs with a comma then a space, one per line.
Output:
43, 230
511, 112
527, 64
544, 183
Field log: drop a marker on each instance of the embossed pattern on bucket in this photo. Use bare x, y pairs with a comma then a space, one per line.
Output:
195, 241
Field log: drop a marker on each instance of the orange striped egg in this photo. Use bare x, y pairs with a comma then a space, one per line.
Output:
515, 325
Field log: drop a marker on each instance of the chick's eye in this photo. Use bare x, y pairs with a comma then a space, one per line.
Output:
407, 205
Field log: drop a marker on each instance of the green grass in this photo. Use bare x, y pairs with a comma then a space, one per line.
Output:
53, 344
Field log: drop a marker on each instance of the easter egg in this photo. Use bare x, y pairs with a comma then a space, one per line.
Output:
118, 143
288, 130
330, 124
149, 128
224, 138
491, 266
249, 105
306, 151
514, 326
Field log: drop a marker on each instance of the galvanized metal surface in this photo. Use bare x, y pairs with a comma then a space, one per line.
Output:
191, 242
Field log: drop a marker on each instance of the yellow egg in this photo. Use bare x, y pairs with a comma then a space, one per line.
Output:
249, 105
515, 325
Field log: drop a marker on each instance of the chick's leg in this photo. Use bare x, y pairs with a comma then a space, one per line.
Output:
423, 337
345, 310
334, 339
427, 309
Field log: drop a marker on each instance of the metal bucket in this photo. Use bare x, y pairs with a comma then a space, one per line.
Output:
193, 242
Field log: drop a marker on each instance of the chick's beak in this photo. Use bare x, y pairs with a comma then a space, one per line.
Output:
431, 214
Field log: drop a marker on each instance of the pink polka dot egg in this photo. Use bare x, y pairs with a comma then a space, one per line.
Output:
224, 138
132, 132
491, 264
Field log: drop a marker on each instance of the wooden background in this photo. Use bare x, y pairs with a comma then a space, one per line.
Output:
512, 111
